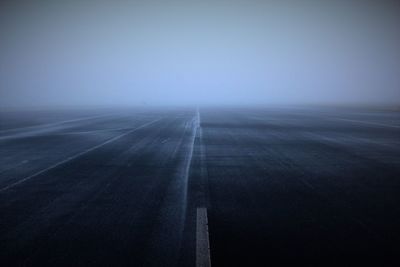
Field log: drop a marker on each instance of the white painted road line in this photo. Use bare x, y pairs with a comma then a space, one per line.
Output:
203, 258
75, 156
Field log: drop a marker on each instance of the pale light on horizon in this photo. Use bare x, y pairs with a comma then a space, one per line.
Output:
219, 52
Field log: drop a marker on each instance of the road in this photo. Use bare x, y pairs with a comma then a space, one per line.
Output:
281, 186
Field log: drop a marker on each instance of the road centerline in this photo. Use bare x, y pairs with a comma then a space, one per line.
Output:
202, 239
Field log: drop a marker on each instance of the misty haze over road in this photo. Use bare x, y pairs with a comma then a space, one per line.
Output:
199, 52
184, 133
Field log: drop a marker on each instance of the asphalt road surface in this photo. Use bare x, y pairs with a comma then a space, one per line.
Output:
281, 186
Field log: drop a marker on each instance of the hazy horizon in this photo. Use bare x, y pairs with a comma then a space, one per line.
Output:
133, 53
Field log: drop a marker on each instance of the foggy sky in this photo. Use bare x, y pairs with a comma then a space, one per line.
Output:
199, 52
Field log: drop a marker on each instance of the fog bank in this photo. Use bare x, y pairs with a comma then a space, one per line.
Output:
199, 52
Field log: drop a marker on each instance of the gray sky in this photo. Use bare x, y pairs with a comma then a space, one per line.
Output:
199, 52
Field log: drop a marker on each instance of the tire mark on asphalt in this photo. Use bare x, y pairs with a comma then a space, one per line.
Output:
167, 238
96, 195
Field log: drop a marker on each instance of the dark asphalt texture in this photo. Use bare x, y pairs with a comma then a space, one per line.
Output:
289, 186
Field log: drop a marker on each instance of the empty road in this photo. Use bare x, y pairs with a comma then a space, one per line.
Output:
302, 186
